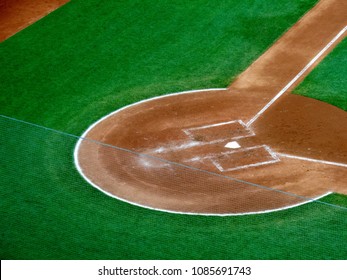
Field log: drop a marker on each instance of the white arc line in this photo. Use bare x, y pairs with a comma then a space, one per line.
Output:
313, 160
306, 200
297, 76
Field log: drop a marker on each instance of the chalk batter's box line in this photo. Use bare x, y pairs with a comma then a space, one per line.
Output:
249, 131
212, 158
272, 153
199, 144
265, 147
221, 169
184, 146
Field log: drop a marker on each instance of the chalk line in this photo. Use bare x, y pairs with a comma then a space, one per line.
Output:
297, 76
246, 166
313, 160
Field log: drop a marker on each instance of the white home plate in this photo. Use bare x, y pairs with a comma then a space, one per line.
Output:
232, 145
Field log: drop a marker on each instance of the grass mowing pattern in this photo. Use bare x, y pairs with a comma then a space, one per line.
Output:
327, 82
87, 59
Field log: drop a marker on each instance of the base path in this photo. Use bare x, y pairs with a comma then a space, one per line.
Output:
16, 15
195, 152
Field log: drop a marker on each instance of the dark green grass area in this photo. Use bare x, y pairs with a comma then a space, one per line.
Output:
47, 212
91, 57
327, 82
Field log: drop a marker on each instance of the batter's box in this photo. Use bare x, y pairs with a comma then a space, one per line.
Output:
245, 158
219, 132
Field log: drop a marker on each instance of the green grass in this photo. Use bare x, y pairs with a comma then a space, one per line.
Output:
327, 82
49, 212
89, 58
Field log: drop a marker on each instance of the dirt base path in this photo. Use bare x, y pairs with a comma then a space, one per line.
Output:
295, 147
16, 15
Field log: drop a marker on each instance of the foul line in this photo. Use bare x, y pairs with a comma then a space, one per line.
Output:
84, 137
313, 160
297, 77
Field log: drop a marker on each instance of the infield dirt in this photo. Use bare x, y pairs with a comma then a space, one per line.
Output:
293, 125
16, 15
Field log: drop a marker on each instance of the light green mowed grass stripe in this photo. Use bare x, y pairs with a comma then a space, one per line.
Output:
89, 58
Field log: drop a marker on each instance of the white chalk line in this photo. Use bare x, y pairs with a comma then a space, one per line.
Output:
217, 124
221, 169
187, 131
177, 147
235, 152
265, 147
211, 125
313, 160
306, 199
79, 169
271, 152
182, 146
213, 159
83, 137
297, 76
194, 143
190, 213
147, 100
247, 125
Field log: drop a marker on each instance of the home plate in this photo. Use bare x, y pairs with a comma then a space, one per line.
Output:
232, 145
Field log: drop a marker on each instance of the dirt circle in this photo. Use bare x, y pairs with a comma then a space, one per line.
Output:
161, 166
170, 153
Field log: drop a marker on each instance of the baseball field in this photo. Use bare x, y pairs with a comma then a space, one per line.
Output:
174, 130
